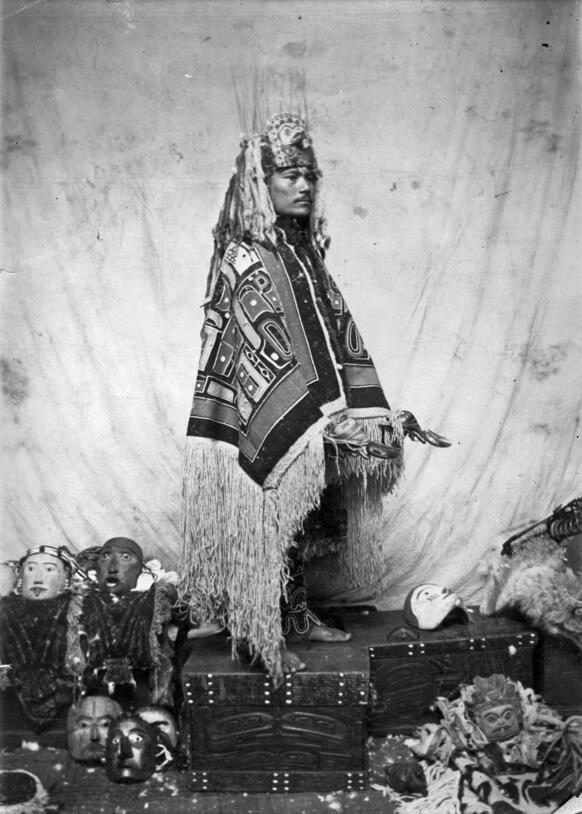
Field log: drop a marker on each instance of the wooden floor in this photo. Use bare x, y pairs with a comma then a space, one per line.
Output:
75, 789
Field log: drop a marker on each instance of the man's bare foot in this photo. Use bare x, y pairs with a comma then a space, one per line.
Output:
323, 633
290, 661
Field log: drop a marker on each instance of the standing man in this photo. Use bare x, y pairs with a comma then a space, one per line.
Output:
288, 416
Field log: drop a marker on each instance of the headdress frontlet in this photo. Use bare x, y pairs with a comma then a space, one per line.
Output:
285, 142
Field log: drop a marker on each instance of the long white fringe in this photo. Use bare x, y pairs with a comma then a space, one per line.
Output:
236, 535
233, 566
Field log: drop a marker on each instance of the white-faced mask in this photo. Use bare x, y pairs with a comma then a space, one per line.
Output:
428, 605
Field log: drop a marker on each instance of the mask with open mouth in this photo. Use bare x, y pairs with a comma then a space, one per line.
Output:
118, 566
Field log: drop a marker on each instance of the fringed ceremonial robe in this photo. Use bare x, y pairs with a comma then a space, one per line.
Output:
281, 358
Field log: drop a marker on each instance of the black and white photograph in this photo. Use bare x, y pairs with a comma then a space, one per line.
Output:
291, 385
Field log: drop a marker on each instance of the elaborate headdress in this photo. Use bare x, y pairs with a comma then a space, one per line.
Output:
276, 140
286, 143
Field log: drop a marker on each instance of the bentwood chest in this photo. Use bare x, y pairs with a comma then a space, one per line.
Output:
409, 668
245, 735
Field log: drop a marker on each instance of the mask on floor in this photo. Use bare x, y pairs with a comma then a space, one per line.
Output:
166, 731
130, 753
88, 724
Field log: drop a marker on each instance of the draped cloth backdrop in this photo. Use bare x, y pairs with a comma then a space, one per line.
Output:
448, 136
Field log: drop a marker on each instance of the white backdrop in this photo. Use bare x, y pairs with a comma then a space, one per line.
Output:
448, 135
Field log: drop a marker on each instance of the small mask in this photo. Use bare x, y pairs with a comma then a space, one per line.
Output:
88, 726
163, 719
499, 723
167, 733
119, 565
493, 704
130, 753
44, 576
428, 605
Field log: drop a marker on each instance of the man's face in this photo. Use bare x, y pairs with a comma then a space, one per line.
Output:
130, 751
43, 576
291, 190
87, 727
118, 568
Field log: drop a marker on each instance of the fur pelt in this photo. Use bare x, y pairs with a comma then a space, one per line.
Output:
536, 582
